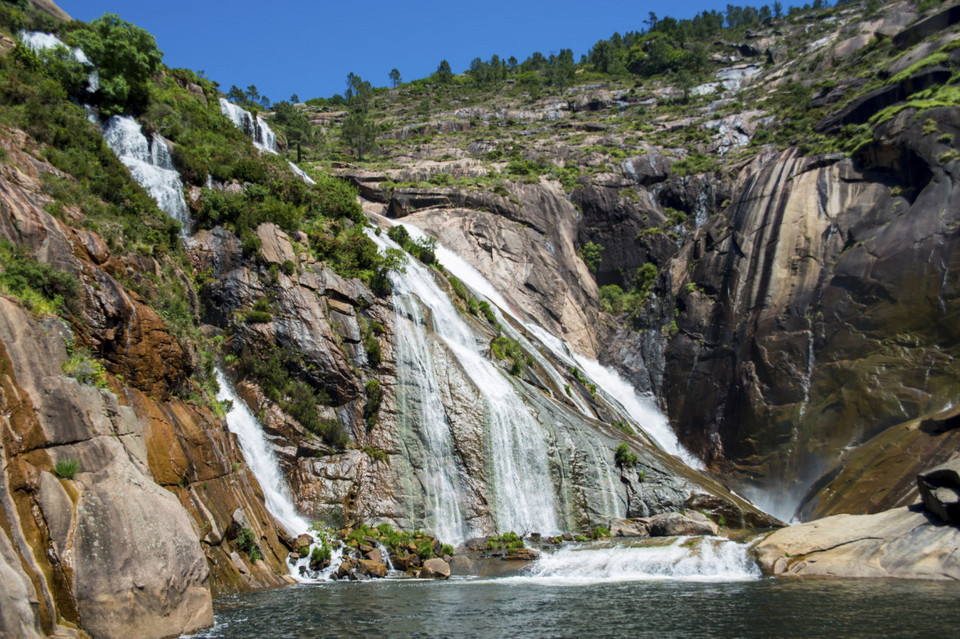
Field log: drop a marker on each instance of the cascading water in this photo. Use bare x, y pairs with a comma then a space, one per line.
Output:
642, 410
38, 41
421, 411
685, 559
516, 450
260, 459
150, 164
260, 132
255, 128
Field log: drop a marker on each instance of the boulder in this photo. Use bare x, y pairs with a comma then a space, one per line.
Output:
629, 527
346, 568
372, 568
940, 490
901, 543
374, 554
304, 540
435, 569
677, 525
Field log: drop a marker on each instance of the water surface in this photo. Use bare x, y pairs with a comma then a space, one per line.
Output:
527, 608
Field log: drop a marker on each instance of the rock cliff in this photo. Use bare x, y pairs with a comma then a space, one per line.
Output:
84, 547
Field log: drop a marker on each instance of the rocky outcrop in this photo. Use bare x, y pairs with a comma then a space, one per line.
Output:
903, 543
136, 538
788, 305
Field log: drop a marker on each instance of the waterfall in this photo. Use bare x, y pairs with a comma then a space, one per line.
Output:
685, 559
260, 132
642, 410
260, 459
420, 409
38, 41
516, 446
150, 165
256, 128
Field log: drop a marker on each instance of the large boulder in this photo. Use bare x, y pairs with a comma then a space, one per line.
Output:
629, 527
901, 543
435, 569
940, 490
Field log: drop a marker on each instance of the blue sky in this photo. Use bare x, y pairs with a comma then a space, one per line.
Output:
308, 47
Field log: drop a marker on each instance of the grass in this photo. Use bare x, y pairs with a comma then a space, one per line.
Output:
66, 468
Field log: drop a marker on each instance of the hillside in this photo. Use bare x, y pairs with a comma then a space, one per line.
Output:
746, 221
737, 217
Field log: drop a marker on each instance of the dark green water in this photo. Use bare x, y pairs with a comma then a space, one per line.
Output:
661, 609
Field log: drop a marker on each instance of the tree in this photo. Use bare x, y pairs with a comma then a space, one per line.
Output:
358, 93
294, 98
359, 133
777, 9
395, 77
126, 58
444, 73
294, 124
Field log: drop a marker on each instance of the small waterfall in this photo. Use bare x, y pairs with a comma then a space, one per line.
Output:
300, 173
38, 41
685, 559
256, 128
150, 165
260, 459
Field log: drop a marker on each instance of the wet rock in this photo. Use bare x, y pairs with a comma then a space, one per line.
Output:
372, 568
940, 490
346, 569
435, 569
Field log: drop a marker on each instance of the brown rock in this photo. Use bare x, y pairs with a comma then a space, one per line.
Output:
677, 525
374, 554
435, 569
629, 528
372, 568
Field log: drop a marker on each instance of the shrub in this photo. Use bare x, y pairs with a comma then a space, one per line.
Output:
374, 399
86, 370
66, 468
247, 542
624, 458
590, 253
600, 532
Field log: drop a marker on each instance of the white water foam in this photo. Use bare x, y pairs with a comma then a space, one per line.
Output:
686, 559
150, 164
260, 459
38, 41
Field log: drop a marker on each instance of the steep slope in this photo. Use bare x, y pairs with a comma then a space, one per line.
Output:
772, 249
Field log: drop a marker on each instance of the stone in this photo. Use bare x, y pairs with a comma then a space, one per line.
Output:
435, 569
940, 490
374, 554
900, 543
346, 568
629, 528
303, 540
677, 525
372, 568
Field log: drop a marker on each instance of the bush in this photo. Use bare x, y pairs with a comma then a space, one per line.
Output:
624, 458
247, 542
600, 532
374, 399
590, 253
66, 468
86, 370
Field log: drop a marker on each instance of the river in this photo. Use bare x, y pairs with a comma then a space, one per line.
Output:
529, 608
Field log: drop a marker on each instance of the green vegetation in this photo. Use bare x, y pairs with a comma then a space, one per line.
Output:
371, 408
623, 458
600, 532
66, 468
247, 542
274, 372
503, 347
81, 366
374, 454
591, 254
510, 541
42, 289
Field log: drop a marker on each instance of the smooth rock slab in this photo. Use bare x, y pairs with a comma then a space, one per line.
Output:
904, 543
